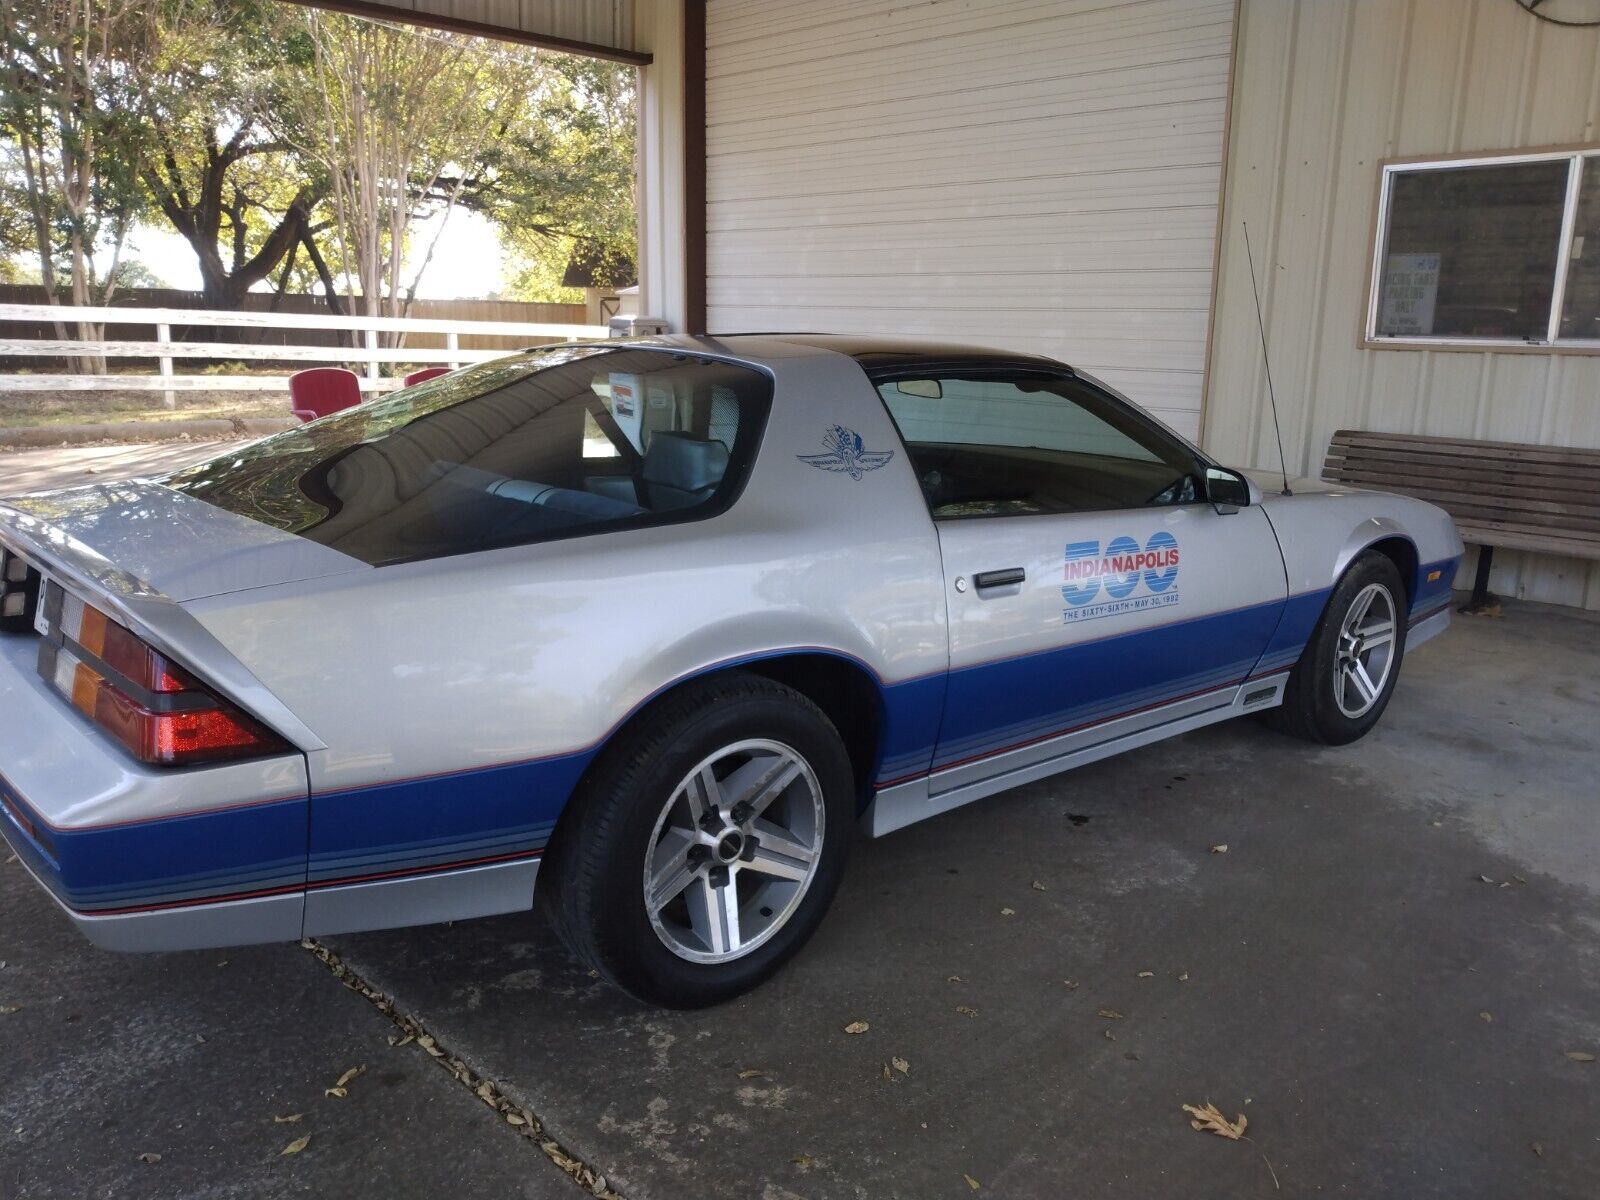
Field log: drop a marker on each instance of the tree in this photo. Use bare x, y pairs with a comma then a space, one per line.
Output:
400, 124
410, 126
216, 163
69, 113
565, 182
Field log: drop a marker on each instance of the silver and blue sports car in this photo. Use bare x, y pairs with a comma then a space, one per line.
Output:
654, 624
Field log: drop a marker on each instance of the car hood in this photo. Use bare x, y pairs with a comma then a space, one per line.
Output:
1271, 483
165, 541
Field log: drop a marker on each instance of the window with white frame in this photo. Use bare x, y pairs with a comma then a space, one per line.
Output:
1500, 249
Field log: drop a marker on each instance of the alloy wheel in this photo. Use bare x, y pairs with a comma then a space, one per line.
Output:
734, 850
1364, 656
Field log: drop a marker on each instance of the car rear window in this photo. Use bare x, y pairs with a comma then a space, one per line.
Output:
551, 444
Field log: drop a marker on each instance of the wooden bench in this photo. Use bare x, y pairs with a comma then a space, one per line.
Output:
1524, 497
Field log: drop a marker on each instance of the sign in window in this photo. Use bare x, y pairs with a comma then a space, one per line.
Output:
1489, 251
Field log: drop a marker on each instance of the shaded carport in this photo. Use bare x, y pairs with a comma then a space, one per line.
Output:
1390, 968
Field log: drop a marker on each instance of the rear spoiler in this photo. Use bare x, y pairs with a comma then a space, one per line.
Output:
155, 617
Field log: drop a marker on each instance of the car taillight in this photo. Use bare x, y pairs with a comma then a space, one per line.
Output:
159, 712
19, 593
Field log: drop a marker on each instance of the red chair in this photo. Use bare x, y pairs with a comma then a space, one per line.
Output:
322, 390
424, 375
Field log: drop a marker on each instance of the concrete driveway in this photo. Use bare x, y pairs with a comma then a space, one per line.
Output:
70, 466
1393, 970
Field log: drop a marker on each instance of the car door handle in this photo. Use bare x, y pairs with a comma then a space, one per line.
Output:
991, 579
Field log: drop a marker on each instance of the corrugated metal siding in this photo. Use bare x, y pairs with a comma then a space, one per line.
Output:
598, 22
1026, 173
1324, 90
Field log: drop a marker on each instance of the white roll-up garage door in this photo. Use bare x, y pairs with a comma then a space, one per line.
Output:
1035, 174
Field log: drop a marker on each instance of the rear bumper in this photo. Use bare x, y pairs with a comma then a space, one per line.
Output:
142, 859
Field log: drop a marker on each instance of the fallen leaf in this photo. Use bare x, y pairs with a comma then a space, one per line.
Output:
1110, 1037
7, 1009
952, 979
1485, 879
1580, 1056
296, 1146
857, 1027
516, 1119
1184, 977
1039, 887
288, 1120
803, 1161
966, 1010
971, 1182
345, 1079
1220, 848
888, 1075
901, 1065
335, 1093
149, 1157
1209, 1119
1070, 984
1485, 1016
1110, 1014
403, 1041
752, 1073
1147, 974
1008, 912
1538, 1148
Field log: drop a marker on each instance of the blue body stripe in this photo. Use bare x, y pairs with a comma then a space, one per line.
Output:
448, 818
1428, 596
256, 847
993, 706
505, 811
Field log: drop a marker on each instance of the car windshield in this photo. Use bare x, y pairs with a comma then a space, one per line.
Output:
550, 444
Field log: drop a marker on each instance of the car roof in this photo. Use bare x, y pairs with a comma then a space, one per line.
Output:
892, 354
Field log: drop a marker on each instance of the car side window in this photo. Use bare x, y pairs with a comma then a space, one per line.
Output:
531, 448
987, 445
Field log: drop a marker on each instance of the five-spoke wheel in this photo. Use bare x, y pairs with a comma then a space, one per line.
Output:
734, 850
1365, 652
1343, 681
705, 844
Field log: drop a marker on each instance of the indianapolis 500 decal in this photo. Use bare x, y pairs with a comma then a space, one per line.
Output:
1121, 578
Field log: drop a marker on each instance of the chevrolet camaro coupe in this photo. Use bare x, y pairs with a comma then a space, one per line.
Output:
655, 625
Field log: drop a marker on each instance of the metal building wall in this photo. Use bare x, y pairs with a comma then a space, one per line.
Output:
1323, 90
1038, 174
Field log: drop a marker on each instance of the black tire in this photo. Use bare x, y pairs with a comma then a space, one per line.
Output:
1310, 708
596, 863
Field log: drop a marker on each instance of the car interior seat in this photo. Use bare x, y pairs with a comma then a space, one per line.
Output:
680, 469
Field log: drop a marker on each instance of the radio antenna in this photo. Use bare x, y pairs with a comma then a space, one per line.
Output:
1283, 467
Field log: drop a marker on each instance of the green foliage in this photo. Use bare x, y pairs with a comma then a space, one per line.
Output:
71, 130
299, 147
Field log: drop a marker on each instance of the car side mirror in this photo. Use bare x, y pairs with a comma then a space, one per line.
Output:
1227, 490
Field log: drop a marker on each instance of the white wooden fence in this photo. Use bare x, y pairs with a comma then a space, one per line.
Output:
165, 351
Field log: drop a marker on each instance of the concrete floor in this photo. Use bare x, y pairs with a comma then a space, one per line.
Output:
1385, 971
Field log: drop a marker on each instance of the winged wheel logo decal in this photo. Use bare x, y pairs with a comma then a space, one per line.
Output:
847, 453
